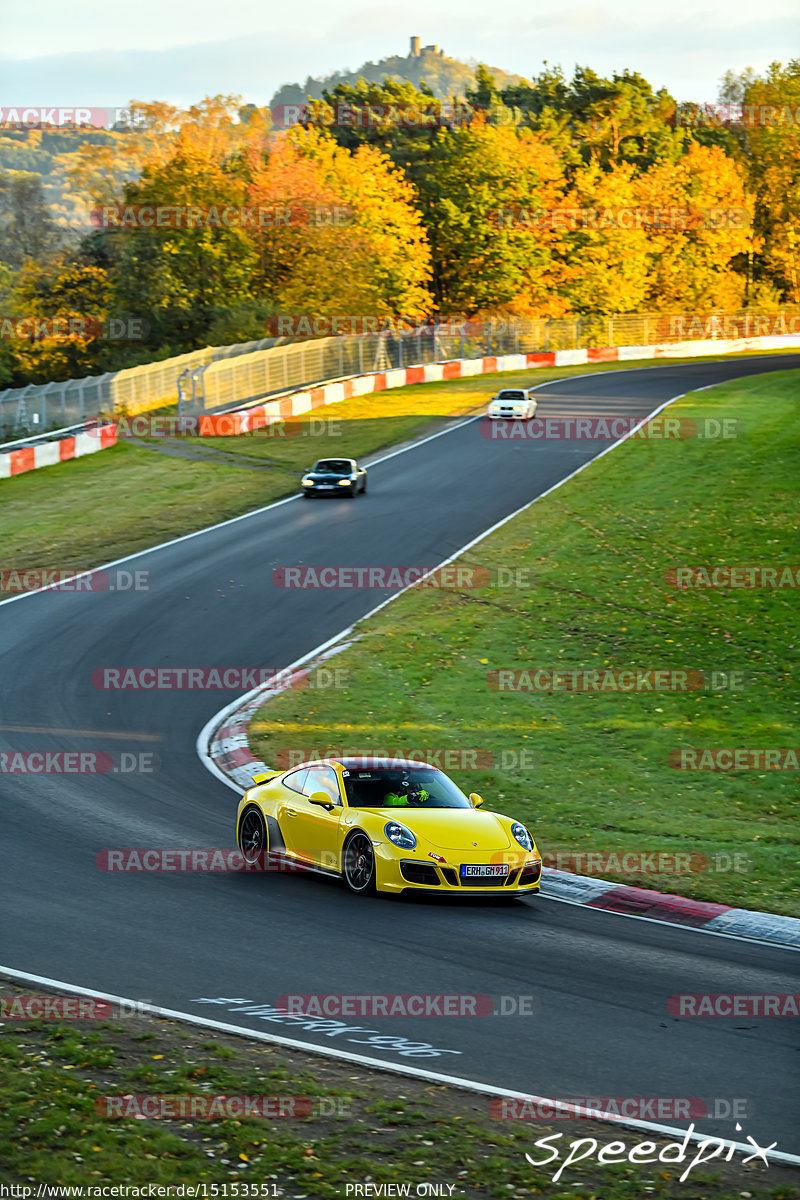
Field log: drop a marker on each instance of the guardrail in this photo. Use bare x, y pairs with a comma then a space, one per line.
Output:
221, 376
248, 418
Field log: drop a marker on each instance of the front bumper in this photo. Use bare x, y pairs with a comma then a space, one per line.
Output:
402, 873
317, 489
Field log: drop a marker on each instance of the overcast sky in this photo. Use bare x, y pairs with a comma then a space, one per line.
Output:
99, 54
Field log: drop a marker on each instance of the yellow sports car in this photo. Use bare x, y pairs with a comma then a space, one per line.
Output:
387, 828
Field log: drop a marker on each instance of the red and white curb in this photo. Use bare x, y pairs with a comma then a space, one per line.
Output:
295, 404
261, 416
56, 450
234, 762
228, 747
223, 747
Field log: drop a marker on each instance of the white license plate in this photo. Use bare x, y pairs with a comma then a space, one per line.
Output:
326, 487
470, 870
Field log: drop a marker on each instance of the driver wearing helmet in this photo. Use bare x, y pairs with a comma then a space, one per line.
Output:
403, 799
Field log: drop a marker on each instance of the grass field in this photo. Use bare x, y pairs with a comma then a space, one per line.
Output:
91, 510
364, 1126
597, 552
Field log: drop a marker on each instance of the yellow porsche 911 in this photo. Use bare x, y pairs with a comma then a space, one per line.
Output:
387, 828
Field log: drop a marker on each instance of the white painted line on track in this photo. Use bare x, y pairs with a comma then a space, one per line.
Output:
204, 737
184, 537
672, 924
484, 1089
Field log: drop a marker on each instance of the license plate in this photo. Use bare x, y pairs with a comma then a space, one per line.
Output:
483, 871
325, 487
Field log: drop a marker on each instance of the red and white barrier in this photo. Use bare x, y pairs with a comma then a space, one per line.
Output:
259, 416
47, 454
246, 420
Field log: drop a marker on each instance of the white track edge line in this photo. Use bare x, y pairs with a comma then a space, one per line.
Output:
218, 717
402, 450
486, 1089
204, 737
720, 933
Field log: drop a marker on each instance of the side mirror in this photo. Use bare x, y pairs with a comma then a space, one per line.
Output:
320, 798
475, 800
260, 778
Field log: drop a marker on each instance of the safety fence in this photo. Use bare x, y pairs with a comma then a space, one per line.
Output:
218, 377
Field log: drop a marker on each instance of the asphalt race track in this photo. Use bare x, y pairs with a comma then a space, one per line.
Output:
600, 982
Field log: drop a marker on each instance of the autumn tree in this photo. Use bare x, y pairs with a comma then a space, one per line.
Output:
693, 264
355, 242
478, 201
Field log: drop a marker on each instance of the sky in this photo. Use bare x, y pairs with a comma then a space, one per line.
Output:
103, 55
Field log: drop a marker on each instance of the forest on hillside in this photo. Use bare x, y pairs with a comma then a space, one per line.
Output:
447, 212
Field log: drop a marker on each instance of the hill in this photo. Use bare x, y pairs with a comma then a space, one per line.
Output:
448, 78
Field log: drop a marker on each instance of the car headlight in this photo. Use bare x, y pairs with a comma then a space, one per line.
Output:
522, 836
344, 483
401, 835
308, 481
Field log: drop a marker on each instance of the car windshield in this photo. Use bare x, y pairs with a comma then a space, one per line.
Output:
511, 396
402, 787
340, 466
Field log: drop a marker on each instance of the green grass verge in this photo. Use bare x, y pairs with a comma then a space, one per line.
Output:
366, 1126
81, 513
597, 551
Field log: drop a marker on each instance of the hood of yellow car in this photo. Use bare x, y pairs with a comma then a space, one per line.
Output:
453, 828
